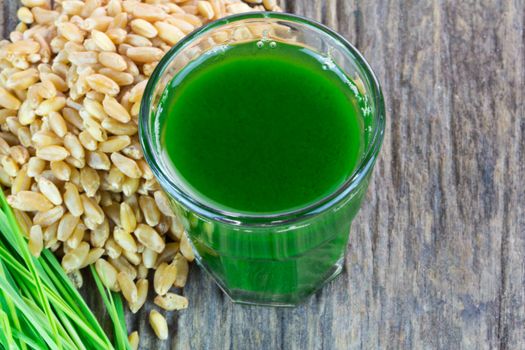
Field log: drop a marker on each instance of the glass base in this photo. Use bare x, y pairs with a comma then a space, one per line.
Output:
276, 300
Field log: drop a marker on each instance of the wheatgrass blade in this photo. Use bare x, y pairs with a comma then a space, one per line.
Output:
17, 237
114, 312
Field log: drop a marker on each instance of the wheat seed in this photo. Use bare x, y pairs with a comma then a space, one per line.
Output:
108, 274
128, 288
171, 302
158, 324
134, 340
149, 238
36, 240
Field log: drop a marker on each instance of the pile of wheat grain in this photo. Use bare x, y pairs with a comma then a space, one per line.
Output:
71, 81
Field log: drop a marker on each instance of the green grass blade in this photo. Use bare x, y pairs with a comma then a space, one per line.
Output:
29, 341
41, 309
120, 325
30, 335
6, 336
64, 337
119, 307
9, 304
75, 315
121, 339
71, 331
35, 316
55, 270
28, 259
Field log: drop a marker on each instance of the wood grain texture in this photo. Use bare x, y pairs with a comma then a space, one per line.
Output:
436, 258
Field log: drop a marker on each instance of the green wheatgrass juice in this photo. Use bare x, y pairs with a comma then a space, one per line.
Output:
259, 128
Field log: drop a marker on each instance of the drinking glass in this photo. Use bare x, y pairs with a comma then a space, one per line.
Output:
278, 259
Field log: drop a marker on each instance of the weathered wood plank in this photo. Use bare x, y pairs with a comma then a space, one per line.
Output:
437, 254
8, 16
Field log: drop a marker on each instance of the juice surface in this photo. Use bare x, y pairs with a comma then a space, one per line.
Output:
261, 128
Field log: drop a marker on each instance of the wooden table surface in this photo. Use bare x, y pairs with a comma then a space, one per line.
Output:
436, 258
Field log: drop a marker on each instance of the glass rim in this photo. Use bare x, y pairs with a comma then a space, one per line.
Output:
327, 202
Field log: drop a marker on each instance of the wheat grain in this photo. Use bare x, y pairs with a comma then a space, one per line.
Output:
29, 201
76, 237
182, 266
128, 288
134, 340
149, 238
171, 302
66, 226
123, 265
158, 324
74, 258
108, 274
36, 240
142, 295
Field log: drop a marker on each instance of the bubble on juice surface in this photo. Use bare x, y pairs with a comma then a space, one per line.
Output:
328, 63
353, 87
328, 60
219, 49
